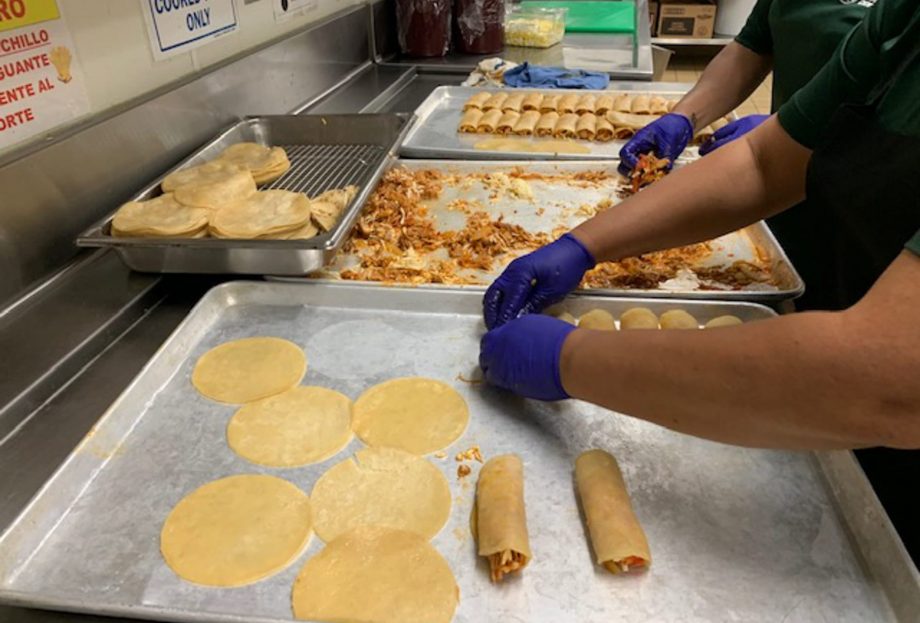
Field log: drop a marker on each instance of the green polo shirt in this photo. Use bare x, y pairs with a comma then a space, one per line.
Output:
879, 60
800, 35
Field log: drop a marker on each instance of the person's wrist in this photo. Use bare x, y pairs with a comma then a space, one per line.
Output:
592, 248
687, 116
568, 355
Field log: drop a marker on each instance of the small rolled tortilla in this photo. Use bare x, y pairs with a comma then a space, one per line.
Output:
640, 105
672, 104
617, 538
469, 122
489, 121
585, 128
507, 122
532, 101
658, 105
567, 104
565, 127
603, 104
625, 125
586, 103
638, 318
550, 103
603, 131
547, 124
477, 100
526, 125
499, 521
495, 101
678, 319
723, 321
513, 102
622, 103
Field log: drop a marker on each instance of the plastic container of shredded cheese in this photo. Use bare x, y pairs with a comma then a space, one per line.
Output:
534, 27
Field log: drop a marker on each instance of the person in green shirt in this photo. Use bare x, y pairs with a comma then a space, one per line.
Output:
794, 39
848, 143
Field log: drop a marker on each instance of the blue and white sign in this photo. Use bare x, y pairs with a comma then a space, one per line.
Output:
177, 26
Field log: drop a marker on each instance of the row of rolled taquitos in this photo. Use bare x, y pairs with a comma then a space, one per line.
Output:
586, 126
562, 103
500, 524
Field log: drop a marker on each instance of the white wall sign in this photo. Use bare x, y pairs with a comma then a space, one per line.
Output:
286, 9
41, 84
176, 26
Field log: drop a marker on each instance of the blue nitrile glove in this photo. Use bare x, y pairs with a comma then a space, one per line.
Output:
733, 130
536, 280
523, 356
666, 137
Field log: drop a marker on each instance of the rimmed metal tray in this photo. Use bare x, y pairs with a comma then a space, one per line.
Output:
557, 205
434, 134
326, 152
750, 535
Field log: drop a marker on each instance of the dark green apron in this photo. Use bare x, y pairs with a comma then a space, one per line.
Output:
864, 181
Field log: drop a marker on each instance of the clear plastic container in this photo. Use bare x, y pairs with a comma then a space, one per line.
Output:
423, 27
534, 27
479, 26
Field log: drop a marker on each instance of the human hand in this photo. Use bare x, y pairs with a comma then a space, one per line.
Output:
536, 280
730, 132
522, 356
666, 137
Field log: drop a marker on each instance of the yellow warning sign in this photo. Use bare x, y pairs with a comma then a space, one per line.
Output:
19, 13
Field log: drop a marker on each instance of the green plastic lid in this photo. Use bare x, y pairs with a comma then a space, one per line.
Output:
586, 16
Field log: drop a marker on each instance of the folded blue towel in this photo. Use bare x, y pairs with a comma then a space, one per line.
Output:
527, 75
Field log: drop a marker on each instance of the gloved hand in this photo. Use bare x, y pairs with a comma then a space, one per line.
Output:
523, 356
536, 280
666, 137
730, 132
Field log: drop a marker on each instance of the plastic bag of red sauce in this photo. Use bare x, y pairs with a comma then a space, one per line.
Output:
480, 26
423, 27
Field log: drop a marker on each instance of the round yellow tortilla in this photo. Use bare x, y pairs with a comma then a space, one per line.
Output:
249, 369
376, 574
236, 530
265, 213
207, 174
300, 426
265, 163
381, 487
414, 414
160, 216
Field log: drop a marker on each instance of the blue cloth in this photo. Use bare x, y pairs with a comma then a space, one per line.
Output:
523, 356
536, 280
535, 76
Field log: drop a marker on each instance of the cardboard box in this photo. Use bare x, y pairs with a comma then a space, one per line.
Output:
653, 17
686, 18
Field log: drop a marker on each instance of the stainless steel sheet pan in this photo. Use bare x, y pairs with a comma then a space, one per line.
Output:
434, 133
560, 205
326, 152
736, 534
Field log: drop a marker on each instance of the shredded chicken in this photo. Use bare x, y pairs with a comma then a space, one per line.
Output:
505, 562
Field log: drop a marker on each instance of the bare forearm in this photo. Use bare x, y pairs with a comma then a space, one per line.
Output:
798, 382
756, 176
728, 80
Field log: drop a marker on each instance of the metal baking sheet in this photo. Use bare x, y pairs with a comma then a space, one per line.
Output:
434, 134
557, 206
735, 533
326, 152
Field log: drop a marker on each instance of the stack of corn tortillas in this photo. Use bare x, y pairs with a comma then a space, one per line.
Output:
220, 198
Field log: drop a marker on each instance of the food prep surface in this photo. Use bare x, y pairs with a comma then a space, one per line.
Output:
459, 223
732, 530
436, 133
